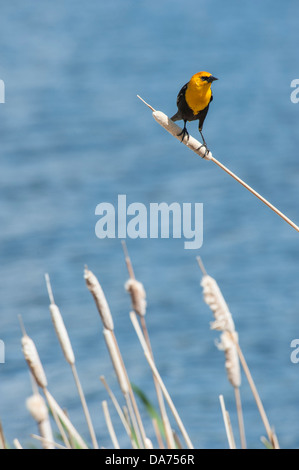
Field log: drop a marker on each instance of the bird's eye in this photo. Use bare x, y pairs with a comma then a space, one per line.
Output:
205, 78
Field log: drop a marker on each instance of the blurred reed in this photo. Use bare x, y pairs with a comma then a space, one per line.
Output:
46, 412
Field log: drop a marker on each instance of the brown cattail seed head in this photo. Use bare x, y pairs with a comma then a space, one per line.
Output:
94, 287
33, 361
138, 296
214, 298
232, 364
37, 407
116, 360
62, 334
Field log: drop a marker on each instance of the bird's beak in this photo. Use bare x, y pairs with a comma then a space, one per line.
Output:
211, 79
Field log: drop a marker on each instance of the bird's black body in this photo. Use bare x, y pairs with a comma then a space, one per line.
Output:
185, 113
193, 103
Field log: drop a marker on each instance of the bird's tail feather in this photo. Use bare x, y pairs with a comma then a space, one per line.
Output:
176, 117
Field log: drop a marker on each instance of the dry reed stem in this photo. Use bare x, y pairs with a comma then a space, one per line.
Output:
170, 441
129, 422
128, 260
96, 290
85, 407
167, 428
39, 412
158, 434
134, 287
57, 421
177, 440
169, 400
132, 397
45, 441
149, 358
224, 322
194, 144
118, 408
138, 297
17, 444
124, 384
271, 435
66, 421
110, 425
55, 416
275, 440
2, 438
227, 424
133, 421
103, 308
67, 349
266, 443
116, 362
240, 417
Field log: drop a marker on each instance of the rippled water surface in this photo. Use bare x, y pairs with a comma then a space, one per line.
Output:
73, 134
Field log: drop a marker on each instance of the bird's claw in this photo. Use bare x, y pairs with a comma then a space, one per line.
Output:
207, 151
183, 134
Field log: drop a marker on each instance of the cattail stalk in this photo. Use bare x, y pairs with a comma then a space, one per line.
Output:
122, 378
215, 300
67, 349
194, 145
271, 435
17, 444
2, 438
132, 397
110, 425
47, 442
227, 424
159, 379
240, 417
223, 321
138, 297
37, 371
64, 419
115, 359
118, 408
158, 433
96, 290
169, 400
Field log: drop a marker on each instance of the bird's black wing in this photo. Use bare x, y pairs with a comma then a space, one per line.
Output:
181, 96
182, 105
184, 112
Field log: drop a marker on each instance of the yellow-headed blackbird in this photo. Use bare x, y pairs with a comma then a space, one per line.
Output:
193, 102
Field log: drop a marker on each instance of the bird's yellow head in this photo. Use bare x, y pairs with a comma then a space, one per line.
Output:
203, 79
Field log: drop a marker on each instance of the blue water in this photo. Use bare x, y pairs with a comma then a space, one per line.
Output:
73, 134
